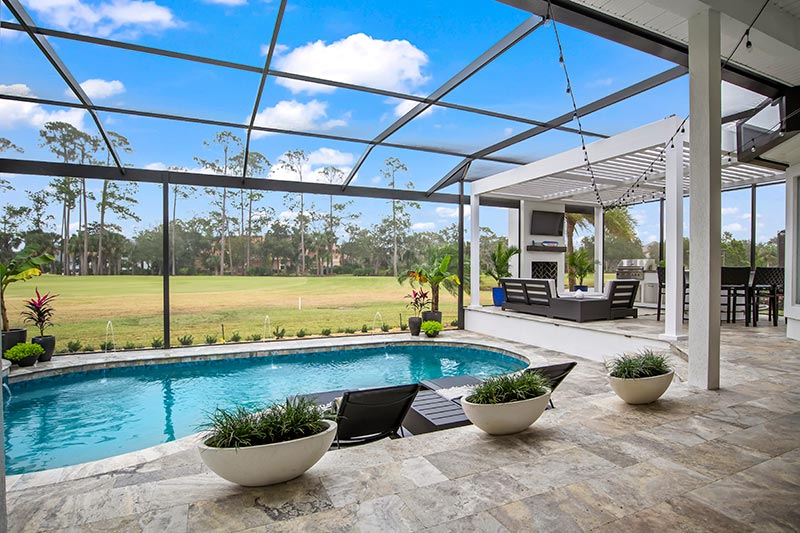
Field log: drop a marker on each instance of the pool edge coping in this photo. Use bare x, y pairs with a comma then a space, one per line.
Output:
108, 465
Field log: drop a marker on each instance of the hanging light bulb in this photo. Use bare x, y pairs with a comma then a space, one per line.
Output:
748, 44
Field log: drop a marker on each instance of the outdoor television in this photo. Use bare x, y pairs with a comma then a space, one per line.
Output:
547, 223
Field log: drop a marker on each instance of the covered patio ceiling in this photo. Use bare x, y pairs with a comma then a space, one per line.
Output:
628, 166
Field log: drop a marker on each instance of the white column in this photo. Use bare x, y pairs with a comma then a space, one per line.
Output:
514, 240
705, 196
599, 222
673, 225
791, 303
474, 251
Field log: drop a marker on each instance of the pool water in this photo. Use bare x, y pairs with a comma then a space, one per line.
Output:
66, 420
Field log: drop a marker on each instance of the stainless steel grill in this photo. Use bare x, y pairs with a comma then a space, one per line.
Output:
635, 268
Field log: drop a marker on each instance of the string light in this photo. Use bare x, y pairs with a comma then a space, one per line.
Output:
620, 201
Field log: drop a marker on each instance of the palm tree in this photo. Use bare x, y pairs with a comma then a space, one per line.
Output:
618, 222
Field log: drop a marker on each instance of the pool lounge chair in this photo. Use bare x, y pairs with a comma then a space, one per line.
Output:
555, 373
373, 414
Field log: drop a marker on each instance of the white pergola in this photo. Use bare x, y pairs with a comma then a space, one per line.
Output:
661, 152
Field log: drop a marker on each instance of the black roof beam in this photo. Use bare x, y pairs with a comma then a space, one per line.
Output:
235, 125
500, 47
41, 42
273, 41
597, 23
279, 74
195, 179
609, 100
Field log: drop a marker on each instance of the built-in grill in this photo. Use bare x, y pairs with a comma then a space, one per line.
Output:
635, 268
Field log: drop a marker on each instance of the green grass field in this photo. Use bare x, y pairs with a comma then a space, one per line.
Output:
201, 304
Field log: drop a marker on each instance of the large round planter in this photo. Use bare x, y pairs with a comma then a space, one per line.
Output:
641, 390
498, 296
414, 324
436, 316
48, 342
505, 418
12, 337
267, 464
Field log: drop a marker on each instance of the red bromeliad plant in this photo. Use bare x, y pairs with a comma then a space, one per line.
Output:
40, 311
419, 301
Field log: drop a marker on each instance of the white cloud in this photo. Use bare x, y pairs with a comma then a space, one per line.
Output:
229, 3
98, 89
132, 17
312, 169
158, 165
291, 114
600, 82
508, 131
395, 65
423, 226
729, 211
404, 106
451, 212
287, 215
733, 227
329, 156
15, 114
376, 180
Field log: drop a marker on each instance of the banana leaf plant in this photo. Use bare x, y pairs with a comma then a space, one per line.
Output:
434, 275
500, 260
24, 266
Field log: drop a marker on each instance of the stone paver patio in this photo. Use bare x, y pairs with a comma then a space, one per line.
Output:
725, 460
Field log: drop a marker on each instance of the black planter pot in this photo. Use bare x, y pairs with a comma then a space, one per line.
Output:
48, 342
432, 334
414, 323
436, 316
13, 337
28, 361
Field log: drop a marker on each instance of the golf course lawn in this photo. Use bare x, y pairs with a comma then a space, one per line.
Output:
200, 305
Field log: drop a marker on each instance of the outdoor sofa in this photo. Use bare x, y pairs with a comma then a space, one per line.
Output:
539, 297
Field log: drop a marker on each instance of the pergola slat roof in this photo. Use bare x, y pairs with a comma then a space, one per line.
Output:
616, 162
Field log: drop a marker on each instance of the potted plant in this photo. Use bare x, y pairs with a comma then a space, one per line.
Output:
580, 265
39, 311
419, 302
508, 404
640, 377
499, 268
24, 354
22, 267
434, 275
253, 447
431, 328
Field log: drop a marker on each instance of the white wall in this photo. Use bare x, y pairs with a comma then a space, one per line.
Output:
791, 304
526, 207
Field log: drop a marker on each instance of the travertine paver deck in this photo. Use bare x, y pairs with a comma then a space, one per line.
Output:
725, 460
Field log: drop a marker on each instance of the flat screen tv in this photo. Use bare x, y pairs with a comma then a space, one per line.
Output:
547, 223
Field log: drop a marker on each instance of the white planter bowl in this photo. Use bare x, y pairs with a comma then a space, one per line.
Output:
641, 390
505, 418
267, 464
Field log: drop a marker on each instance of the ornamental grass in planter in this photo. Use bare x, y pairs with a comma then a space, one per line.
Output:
641, 377
508, 404
257, 447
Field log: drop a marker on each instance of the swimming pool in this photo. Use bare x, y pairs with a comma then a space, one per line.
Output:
65, 420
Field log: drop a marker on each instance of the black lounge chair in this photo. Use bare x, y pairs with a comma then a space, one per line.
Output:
373, 414
555, 373
532, 296
621, 293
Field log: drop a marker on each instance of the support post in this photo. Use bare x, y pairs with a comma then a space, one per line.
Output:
660, 230
673, 316
474, 250
165, 257
752, 227
599, 270
461, 257
705, 193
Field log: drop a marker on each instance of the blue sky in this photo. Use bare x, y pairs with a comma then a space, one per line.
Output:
409, 47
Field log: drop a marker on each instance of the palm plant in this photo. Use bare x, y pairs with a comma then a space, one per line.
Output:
618, 222
22, 267
500, 259
434, 275
579, 265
